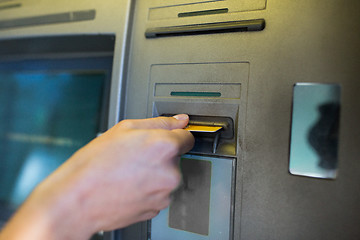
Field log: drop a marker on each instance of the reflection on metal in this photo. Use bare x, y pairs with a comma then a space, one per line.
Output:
66, 17
189, 209
204, 12
9, 6
39, 139
315, 130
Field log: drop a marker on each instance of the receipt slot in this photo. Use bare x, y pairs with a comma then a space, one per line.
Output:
202, 206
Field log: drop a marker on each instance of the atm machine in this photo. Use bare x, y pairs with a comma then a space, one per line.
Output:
277, 79
282, 78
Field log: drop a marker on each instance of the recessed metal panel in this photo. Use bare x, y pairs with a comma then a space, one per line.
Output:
229, 90
202, 206
190, 208
200, 8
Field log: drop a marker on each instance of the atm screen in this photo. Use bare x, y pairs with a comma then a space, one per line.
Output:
48, 110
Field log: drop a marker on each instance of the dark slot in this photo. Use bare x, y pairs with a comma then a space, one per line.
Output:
49, 19
57, 45
195, 94
225, 122
207, 28
205, 12
16, 5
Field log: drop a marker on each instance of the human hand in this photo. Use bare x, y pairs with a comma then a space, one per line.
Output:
122, 177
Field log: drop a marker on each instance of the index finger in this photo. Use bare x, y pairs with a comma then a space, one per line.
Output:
169, 123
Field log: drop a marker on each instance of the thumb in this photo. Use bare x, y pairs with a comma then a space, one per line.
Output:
176, 122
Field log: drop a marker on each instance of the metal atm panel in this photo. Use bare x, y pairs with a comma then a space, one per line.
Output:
295, 42
198, 8
202, 89
202, 206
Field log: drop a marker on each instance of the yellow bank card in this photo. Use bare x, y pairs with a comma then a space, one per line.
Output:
199, 128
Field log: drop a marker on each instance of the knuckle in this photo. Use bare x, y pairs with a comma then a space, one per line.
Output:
172, 149
168, 181
173, 180
153, 214
167, 146
177, 178
164, 122
126, 124
149, 215
164, 204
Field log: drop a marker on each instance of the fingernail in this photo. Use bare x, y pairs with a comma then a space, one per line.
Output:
181, 117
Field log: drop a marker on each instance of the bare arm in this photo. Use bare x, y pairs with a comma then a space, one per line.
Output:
120, 178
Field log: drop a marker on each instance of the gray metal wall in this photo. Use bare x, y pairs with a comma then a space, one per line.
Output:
303, 41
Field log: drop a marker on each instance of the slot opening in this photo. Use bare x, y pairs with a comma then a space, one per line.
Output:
206, 28
195, 94
5, 7
207, 141
204, 12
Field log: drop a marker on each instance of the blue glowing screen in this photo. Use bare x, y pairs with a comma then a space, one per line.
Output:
45, 116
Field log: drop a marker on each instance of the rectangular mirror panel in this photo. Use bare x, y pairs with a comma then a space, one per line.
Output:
315, 130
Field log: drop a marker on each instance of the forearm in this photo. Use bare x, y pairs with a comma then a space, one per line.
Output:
124, 176
50, 215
